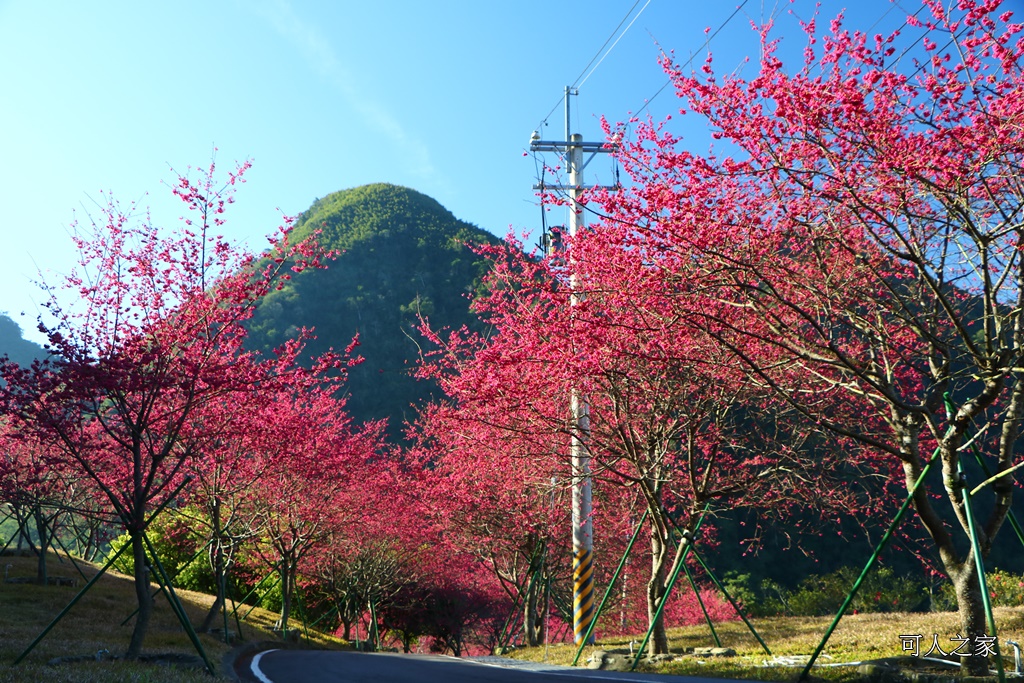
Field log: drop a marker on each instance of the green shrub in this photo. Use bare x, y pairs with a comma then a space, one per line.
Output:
1005, 589
882, 591
176, 549
270, 597
762, 601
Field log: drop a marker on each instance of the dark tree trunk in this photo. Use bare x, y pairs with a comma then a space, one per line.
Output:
220, 577
972, 618
42, 532
532, 621
962, 572
346, 626
658, 643
142, 594
286, 595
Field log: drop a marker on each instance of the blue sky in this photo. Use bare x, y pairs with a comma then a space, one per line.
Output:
439, 96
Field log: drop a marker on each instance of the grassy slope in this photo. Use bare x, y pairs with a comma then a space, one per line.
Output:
94, 624
859, 637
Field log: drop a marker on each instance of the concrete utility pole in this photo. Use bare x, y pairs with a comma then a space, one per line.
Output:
582, 522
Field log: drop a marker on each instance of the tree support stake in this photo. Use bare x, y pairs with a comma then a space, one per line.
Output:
85, 589
671, 584
732, 602
703, 609
867, 567
176, 605
71, 604
611, 585
157, 592
979, 564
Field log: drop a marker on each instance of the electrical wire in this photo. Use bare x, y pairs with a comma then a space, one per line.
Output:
692, 57
597, 54
580, 84
608, 40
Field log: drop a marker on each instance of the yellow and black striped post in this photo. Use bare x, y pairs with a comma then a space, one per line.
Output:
582, 593
582, 524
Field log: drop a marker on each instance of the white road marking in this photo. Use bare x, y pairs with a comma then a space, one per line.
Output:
255, 667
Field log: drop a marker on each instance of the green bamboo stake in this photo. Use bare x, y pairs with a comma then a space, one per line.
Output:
176, 605
867, 567
671, 584
325, 615
249, 611
508, 626
732, 602
376, 627
979, 564
611, 585
224, 607
3, 521
721, 587
250, 593
979, 561
20, 532
96, 578
157, 592
988, 473
71, 604
302, 614
68, 553
234, 611
703, 609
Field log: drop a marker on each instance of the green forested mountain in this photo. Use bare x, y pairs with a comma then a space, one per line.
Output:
20, 350
402, 253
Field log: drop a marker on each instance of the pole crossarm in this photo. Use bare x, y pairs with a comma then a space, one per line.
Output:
552, 146
542, 187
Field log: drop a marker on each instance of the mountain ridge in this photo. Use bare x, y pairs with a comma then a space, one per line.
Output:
15, 346
401, 255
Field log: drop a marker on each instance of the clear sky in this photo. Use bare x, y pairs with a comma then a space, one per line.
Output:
440, 96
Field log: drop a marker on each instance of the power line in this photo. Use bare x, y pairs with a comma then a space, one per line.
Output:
576, 80
597, 54
692, 57
580, 85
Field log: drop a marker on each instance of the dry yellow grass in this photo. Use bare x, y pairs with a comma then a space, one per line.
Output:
859, 637
94, 624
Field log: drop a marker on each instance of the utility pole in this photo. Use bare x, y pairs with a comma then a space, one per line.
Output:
582, 521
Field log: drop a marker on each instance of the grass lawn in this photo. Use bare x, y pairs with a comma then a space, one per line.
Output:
94, 624
859, 637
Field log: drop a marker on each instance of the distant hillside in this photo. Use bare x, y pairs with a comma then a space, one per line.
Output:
403, 253
20, 350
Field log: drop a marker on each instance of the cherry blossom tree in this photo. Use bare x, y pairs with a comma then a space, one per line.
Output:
151, 332
858, 250
497, 496
33, 489
670, 423
314, 483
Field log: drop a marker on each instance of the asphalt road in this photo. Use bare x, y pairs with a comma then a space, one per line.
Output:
322, 666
